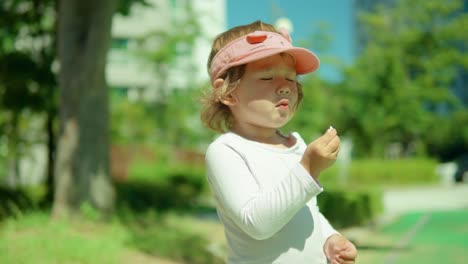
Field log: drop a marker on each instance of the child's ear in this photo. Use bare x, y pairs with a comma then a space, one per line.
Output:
218, 83
230, 99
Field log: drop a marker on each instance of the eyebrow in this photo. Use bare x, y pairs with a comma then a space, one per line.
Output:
271, 69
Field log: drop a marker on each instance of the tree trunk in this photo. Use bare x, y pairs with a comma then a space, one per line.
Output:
82, 161
51, 150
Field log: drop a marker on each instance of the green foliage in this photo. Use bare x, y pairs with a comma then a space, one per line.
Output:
131, 122
356, 199
173, 43
311, 120
450, 138
14, 203
158, 186
27, 83
395, 172
382, 173
124, 6
179, 119
170, 123
350, 207
401, 82
175, 112
26, 54
173, 118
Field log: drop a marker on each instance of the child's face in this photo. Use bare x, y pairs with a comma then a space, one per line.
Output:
267, 93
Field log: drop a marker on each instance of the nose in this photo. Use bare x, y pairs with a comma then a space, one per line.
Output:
284, 90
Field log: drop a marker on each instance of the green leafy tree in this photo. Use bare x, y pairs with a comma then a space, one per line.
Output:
312, 116
27, 84
184, 128
401, 83
318, 109
176, 110
131, 123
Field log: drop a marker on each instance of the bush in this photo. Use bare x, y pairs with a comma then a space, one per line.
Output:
383, 173
345, 208
14, 202
356, 199
161, 187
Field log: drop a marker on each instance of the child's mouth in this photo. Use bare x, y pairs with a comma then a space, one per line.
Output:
283, 103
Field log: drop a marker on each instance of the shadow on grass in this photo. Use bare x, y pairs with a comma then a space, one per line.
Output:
143, 206
177, 244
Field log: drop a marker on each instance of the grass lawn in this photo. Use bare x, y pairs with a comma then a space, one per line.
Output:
429, 238
34, 238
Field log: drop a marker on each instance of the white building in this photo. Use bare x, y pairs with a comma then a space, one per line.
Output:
130, 67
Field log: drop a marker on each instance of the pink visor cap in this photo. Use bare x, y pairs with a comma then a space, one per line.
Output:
259, 45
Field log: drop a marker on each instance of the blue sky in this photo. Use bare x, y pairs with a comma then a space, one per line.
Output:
306, 16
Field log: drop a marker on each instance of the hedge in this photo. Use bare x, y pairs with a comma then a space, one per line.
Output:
374, 172
345, 207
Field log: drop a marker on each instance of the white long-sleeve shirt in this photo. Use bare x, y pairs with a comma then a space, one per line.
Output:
266, 201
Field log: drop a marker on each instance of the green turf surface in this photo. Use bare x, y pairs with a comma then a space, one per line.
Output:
430, 238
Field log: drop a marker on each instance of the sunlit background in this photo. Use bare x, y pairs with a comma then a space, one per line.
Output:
393, 81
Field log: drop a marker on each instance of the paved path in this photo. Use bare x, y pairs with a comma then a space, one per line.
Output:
431, 198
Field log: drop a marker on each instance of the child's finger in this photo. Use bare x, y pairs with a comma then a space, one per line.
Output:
348, 256
335, 259
336, 152
327, 136
334, 144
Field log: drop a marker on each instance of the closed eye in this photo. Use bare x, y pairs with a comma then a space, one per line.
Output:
266, 79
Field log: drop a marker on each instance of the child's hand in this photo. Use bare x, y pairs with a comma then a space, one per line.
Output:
340, 250
321, 153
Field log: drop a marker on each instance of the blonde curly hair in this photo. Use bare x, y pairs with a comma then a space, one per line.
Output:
214, 114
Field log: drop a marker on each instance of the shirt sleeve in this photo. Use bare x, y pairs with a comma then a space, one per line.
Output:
258, 212
327, 229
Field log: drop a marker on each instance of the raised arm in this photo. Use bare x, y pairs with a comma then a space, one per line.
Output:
258, 212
